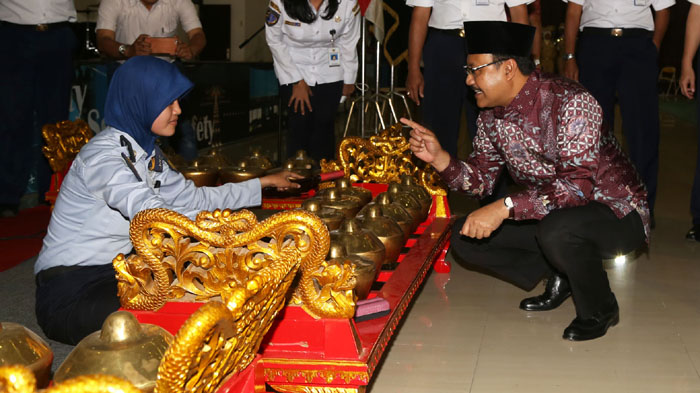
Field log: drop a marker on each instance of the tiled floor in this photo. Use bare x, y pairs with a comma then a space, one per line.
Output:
465, 332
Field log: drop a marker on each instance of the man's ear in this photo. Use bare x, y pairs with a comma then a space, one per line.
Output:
510, 66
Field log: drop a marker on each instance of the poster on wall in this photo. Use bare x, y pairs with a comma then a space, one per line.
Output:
229, 102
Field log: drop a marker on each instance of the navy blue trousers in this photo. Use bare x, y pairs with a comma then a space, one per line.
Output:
572, 241
446, 93
625, 69
37, 73
71, 305
695, 193
314, 131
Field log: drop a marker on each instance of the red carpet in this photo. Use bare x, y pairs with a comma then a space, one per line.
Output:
21, 236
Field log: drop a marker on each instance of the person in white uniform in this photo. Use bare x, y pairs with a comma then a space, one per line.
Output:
119, 173
36, 68
123, 27
314, 48
616, 59
689, 83
436, 36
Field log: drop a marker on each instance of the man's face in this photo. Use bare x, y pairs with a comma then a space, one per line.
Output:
489, 82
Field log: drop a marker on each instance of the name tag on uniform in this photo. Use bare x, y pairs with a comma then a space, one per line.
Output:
334, 57
640, 3
481, 2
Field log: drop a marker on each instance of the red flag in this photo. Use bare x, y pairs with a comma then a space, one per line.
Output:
363, 5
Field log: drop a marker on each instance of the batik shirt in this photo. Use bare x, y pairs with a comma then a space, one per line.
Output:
553, 141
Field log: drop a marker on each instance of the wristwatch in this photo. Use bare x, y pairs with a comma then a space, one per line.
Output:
508, 202
122, 50
569, 56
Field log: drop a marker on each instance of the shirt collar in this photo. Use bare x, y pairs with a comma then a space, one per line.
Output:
137, 2
524, 101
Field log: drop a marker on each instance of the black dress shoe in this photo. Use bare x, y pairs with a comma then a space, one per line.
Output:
556, 291
693, 233
594, 327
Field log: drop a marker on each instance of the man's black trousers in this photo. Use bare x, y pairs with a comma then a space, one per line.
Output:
572, 241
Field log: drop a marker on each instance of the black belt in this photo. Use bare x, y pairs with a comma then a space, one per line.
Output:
615, 32
47, 275
38, 27
453, 32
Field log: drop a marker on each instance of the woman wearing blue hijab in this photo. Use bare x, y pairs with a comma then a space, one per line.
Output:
116, 175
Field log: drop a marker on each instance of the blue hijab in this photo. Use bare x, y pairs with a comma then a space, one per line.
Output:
139, 91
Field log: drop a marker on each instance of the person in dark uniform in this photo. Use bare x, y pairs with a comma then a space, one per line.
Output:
37, 46
616, 59
688, 83
314, 48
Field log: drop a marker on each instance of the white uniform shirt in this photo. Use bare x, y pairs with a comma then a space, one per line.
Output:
620, 13
34, 12
694, 2
100, 195
302, 50
451, 14
130, 18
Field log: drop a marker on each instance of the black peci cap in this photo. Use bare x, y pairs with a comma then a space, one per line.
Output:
503, 38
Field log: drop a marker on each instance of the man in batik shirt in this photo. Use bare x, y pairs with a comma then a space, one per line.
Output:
580, 199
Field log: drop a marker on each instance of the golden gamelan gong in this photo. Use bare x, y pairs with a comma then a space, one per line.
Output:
123, 348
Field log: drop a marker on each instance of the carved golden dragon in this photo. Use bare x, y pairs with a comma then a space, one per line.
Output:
382, 158
227, 247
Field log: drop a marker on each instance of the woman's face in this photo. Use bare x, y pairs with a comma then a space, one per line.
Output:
164, 124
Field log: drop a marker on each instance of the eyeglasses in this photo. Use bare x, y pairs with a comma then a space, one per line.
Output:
472, 70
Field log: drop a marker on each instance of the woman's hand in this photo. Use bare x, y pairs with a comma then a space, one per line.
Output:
280, 180
415, 85
300, 97
348, 90
687, 82
424, 145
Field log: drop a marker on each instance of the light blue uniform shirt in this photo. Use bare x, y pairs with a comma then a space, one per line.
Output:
100, 195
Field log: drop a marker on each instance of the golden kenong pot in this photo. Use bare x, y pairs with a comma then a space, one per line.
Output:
365, 270
348, 205
345, 188
240, 172
386, 230
392, 210
123, 348
300, 161
201, 173
258, 160
360, 242
410, 184
408, 201
21, 346
331, 217
304, 172
248, 168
